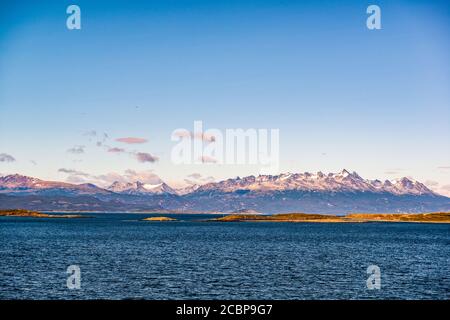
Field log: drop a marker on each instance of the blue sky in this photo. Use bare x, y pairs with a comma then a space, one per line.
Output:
342, 96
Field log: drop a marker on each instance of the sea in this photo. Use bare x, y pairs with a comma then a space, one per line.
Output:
120, 256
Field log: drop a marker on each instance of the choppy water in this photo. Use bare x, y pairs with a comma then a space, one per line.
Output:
121, 257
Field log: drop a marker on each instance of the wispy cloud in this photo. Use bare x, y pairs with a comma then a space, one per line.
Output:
90, 133
197, 178
145, 157
391, 172
105, 180
116, 150
445, 190
198, 135
207, 159
100, 138
76, 150
145, 176
132, 140
4, 157
431, 183
195, 175
73, 172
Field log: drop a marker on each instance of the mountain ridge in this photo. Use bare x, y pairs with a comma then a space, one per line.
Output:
338, 182
343, 192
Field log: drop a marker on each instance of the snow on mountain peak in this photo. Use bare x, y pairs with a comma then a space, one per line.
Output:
343, 181
138, 187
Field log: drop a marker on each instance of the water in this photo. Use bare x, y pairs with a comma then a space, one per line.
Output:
122, 257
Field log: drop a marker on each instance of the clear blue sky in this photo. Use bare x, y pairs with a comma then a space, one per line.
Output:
343, 96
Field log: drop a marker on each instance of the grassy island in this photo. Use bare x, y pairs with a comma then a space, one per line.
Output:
159, 219
435, 217
35, 214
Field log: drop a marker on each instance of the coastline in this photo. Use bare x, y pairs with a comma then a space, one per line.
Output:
35, 214
433, 217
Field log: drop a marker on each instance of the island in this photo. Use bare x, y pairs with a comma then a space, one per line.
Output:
160, 219
433, 217
35, 214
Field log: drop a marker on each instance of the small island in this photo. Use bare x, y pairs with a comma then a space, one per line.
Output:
35, 214
159, 219
435, 217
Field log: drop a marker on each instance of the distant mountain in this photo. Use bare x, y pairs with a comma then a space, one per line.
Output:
18, 184
332, 182
139, 188
343, 192
188, 189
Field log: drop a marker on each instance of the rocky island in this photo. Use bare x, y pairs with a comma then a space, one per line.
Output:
159, 219
35, 214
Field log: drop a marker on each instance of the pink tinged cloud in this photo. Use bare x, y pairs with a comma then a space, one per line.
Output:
132, 140
145, 157
197, 135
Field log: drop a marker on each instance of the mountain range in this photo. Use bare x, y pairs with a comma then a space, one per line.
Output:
341, 192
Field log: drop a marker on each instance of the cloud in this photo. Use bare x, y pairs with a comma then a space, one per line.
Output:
197, 178
99, 137
444, 190
90, 133
391, 172
76, 150
197, 135
431, 183
207, 159
105, 180
73, 172
116, 150
195, 175
394, 171
132, 140
444, 167
75, 179
145, 157
4, 157
146, 176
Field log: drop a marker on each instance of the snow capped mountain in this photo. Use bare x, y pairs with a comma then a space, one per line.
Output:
188, 189
343, 181
139, 188
340, 192
22, 184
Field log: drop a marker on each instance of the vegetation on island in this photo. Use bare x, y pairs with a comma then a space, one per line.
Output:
35, 214
159, 219
434, 217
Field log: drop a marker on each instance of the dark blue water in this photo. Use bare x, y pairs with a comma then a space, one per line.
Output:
121, 257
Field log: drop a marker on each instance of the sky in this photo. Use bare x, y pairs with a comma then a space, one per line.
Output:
101, 103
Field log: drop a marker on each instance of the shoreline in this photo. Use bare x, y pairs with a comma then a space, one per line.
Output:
433, 217
36, 214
